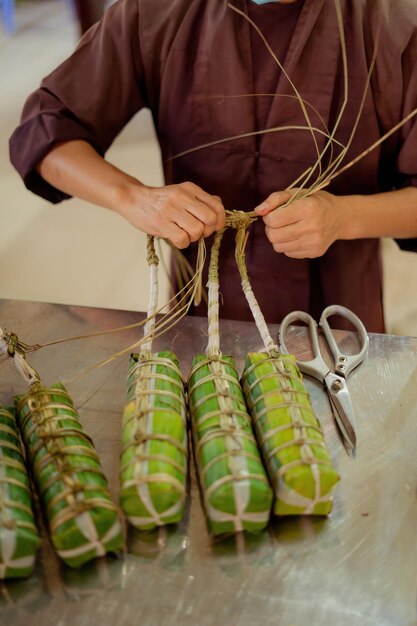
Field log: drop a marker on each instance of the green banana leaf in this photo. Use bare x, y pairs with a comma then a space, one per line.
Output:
289, 435
19, 538
154, 442
237, 495
83, 521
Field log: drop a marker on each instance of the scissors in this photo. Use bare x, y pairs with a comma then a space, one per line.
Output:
335, 379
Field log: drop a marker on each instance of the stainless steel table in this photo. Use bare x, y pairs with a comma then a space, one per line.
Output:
357, 567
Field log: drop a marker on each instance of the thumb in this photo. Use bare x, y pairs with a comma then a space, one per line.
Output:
275, 200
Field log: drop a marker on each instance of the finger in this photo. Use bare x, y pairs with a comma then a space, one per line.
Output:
298, 249
218, 209
284, 234
203, 214
177, 236
301, 254
288, 246
280, 218
294, 253
213, 202
273, 201
190, 224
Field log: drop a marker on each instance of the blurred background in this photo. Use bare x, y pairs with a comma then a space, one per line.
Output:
76, 253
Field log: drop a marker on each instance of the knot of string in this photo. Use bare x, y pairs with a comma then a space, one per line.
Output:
240, 219
12, 343
151, 256
10, 346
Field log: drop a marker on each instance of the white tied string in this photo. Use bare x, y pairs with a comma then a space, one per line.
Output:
8, 544
22, 366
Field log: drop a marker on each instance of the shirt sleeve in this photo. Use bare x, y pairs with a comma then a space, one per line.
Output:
90, 97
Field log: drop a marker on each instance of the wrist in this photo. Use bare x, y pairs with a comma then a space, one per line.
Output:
348, 217
387, 214
126, 195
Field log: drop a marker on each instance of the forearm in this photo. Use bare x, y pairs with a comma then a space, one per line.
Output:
77, 169
306, 227
390, 214
181, 213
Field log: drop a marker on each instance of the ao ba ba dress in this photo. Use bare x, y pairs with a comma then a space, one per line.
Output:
187, 61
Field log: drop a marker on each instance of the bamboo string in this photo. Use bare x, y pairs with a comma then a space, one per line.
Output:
213, 347
252, 133
153, 262
327, 176
273, 95
11, 347
180, 309
331, 172
234, 446
230, 412
301, 193
143, 383
283, 70
189, 294
300, 419
9, 525
241, 239
42, 419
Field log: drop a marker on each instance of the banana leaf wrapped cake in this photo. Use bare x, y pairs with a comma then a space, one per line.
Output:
19, 538
237, 495
154, 458
83, 521
289, 435
236, 492
154, 442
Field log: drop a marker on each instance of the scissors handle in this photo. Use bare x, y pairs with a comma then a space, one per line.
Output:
344, 363
316, 367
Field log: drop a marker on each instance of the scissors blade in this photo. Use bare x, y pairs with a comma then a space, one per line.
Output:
343, 407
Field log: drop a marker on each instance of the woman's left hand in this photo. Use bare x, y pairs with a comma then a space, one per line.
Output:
306, 227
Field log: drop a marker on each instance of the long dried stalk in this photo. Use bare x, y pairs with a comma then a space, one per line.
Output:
334, 168
182, 301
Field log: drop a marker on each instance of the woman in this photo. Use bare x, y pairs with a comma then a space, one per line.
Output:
206, 74
88, 12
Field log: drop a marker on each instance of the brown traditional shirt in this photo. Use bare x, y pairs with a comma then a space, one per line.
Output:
185, 59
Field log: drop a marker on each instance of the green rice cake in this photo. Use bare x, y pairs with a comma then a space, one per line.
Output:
237, 495
19, 538
83, 521
289, 435
154, 442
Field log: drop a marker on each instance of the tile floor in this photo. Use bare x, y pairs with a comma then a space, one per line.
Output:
77, 253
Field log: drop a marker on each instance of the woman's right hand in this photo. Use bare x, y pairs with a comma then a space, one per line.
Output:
181, 213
